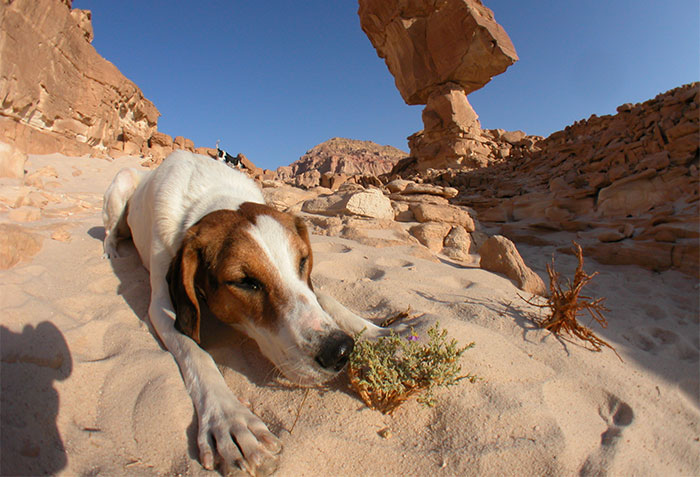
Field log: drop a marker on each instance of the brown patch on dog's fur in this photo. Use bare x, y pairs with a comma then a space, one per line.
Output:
216, 254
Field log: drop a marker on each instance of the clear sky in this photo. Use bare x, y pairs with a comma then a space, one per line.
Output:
274, 78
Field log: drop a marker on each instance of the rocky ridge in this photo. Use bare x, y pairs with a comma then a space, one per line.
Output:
626, 184
334, 161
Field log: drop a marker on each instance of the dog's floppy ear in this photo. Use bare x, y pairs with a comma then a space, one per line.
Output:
303, 232
183, 292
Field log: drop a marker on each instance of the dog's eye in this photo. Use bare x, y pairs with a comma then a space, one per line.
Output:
246, 283
302, 264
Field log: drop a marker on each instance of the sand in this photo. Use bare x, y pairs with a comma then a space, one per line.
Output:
88, 390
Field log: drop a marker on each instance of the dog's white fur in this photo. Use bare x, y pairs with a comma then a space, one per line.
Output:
156, 209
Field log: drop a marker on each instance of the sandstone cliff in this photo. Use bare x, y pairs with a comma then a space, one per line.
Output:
340, 157
58, 94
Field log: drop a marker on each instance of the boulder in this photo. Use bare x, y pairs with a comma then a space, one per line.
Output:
458, 243
370, 203
183, 143
365, 203
206, 151
160, 139
636, 194
331, 205
160, 145
450, 214
615, 235
431, 234
402, 212
11, 161
307, 180
499, 255
332, 180
429, 189
420, 199
426, 44
284, 197
398, 185
16, 245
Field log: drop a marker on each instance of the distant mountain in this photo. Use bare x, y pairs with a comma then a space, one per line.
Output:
343, 156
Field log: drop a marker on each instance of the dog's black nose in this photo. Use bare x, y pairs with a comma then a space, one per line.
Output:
335, 351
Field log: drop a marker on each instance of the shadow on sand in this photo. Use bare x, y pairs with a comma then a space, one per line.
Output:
32, 360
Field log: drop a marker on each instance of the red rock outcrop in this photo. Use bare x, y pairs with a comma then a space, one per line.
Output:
59, 94
463, 149
428, 43
339, 158
438, 52
627, 184
11, 161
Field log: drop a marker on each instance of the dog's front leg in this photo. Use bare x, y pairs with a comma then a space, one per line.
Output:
228, 431
352, 323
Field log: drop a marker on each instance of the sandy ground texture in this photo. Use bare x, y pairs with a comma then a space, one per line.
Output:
88, 390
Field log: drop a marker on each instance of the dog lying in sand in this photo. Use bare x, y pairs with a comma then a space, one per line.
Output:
203, 231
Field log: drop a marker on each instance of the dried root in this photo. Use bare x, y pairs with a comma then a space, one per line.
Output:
387, 372
565, 305
402, 315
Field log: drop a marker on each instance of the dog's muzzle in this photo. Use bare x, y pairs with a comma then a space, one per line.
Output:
335, 351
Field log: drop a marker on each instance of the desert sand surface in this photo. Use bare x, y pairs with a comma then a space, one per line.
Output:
88, 390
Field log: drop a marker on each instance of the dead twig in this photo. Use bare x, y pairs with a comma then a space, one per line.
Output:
303, 400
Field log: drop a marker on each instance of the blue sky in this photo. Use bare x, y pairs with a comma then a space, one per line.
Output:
273, 79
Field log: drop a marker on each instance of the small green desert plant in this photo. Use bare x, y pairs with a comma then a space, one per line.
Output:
387, 372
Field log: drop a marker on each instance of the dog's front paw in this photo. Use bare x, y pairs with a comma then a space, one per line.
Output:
110, 250
230, 434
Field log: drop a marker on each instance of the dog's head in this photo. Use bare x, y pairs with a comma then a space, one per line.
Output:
252, 267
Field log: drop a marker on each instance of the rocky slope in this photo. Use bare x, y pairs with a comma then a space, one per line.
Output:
627, 184
338, 158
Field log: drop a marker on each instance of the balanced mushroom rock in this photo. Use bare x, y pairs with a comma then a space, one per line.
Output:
438, 52
427, 43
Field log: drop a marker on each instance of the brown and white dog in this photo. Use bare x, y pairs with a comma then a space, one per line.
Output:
207, 238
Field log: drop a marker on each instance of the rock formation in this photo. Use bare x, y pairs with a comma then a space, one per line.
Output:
438, 52
627, 184
11, 161
59, 94
335, 160
471, 148
407, 214
498, 254
429, 43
